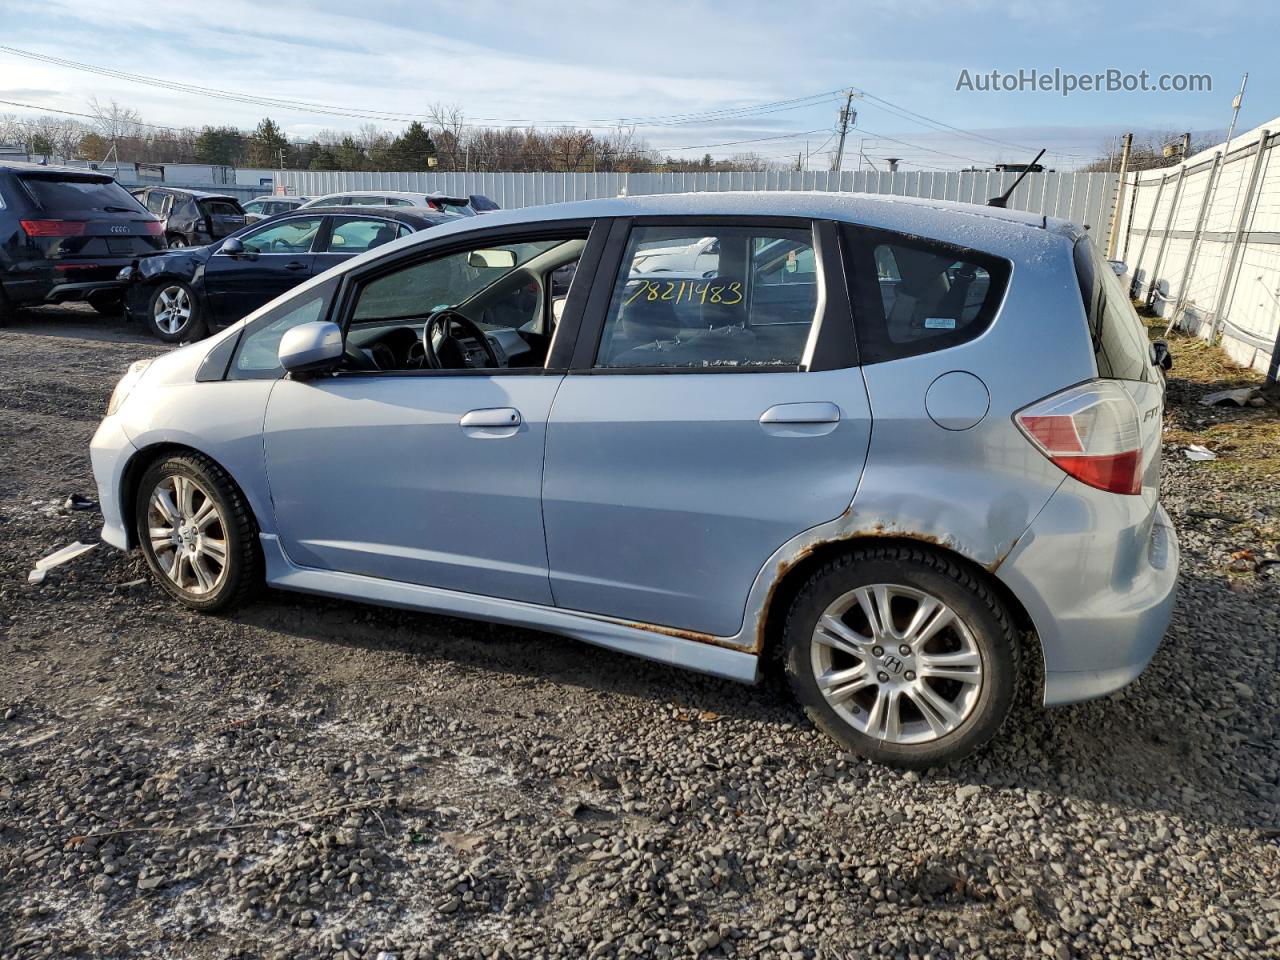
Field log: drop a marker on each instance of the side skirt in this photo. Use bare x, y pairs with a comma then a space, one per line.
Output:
651, 644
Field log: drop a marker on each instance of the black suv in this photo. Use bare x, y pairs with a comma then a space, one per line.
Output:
65, 234
192, 218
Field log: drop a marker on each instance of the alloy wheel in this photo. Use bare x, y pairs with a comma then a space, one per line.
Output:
896, 663
188, 534
173, 309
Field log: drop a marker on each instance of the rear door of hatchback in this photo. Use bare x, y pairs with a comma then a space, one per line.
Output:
75, 229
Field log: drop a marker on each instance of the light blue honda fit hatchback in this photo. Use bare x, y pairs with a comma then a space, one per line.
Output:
899, 443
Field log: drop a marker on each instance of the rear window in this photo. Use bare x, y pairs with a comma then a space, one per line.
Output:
917, 295
62, 196
221, 208
1120, 343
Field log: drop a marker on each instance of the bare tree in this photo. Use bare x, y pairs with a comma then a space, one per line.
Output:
448, 129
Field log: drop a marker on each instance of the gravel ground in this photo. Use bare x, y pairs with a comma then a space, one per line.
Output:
311, 778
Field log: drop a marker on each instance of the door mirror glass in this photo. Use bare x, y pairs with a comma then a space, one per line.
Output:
492, 259
311, 347
233, 247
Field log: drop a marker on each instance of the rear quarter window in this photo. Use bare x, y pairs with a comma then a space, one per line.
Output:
1120, 344
914, 295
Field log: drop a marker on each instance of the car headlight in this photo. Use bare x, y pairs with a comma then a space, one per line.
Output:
126, 384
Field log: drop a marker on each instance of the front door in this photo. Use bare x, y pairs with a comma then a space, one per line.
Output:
703, 432
276, 258
429, 475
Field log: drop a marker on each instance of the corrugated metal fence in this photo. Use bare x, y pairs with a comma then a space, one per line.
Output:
1202, 241
1082, 197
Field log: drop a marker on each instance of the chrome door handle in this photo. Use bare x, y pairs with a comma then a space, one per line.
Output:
816, 412
491, 417
295, 265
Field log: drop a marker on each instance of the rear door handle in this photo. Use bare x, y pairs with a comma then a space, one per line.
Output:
816, 412
491, 418
295, 265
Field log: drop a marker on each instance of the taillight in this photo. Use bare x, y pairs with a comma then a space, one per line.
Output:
1091, 431
53, 228
154, 228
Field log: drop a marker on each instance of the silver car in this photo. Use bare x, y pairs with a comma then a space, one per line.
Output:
895, 447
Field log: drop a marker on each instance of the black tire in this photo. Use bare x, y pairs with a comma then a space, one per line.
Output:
6, 309
986, 627
177, 241
164, 324
109, 304
241, 574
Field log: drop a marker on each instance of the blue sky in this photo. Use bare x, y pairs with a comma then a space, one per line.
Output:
594, 63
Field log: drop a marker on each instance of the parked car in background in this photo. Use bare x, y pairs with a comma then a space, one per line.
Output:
193, 218
185, 294
465, 206
768, 456
64, 235
259, 208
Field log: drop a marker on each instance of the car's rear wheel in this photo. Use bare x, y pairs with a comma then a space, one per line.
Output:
174, 314
176, 241
197, 533
904, 655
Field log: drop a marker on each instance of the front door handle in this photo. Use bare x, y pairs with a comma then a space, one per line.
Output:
818, 412
295, 265
493, 420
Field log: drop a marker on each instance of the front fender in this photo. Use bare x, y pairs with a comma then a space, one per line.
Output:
172, 415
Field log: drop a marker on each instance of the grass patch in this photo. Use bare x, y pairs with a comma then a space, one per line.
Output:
1246, 439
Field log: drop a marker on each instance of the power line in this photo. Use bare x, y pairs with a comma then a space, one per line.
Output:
283, 103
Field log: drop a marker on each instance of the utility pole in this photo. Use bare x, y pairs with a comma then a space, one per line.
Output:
282, 158
1115, 213
848, 116
1186, 145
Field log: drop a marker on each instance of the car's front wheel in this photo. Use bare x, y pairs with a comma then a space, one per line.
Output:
177, 241
904, 655
174, 314
197, 532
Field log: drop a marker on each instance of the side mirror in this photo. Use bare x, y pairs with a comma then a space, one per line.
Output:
1160, 355
310, 347
233, 247
492, 259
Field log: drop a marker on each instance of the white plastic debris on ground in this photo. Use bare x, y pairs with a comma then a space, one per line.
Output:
1197, 452
57, 558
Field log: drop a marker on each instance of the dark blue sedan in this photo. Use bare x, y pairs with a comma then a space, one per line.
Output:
186, 294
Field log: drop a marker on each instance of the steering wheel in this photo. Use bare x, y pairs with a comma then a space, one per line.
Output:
453, 347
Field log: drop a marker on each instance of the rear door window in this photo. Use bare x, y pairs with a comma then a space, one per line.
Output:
916, 295
698, 297
72, 195
356, 236
1120, 343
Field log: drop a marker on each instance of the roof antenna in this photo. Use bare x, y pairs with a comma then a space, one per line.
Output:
1003, 199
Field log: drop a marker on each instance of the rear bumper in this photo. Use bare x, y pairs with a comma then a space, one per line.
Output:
109, 453
71, 292
1098, 574
43, 282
